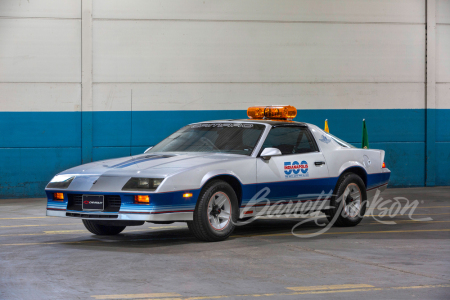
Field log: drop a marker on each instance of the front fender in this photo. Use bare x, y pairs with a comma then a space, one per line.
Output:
216, 173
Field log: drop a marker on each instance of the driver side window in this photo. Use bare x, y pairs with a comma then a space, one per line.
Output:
290, 140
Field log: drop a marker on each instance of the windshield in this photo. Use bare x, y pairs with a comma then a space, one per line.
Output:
235, 138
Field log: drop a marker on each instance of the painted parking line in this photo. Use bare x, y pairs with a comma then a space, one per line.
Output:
136, 296
76, 231
431, 206
22, 218
344, 232
235, 236
84, 231
275, 234
39, 225
406, 221
386, 215
49, 243
329, 287
307, 291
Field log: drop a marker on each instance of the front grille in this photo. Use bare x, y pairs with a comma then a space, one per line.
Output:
112, 202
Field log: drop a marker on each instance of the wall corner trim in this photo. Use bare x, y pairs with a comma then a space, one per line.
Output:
430, 97
86, 81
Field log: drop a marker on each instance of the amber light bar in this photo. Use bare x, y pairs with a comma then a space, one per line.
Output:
279, 112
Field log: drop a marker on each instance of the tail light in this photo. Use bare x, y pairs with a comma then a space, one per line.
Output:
383, 165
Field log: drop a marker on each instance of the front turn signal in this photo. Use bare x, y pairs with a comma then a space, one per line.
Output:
58, 196
142, 199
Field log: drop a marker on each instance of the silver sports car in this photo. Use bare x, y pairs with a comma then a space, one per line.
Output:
214, 174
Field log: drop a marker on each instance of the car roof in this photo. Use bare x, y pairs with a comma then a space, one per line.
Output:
270, 122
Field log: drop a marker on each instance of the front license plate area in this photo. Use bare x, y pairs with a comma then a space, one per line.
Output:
93, 202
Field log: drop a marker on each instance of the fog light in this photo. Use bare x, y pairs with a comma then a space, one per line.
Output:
187, 195
58, 196
142, 199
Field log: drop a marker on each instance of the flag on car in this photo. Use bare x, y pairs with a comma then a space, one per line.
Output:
326, 126
365, 137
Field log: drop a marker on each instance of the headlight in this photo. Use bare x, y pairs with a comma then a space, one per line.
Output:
142, 184
60, 182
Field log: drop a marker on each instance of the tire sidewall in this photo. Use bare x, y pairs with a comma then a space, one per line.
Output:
344, 219
201, 211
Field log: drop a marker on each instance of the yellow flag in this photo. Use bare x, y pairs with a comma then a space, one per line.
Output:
326, 126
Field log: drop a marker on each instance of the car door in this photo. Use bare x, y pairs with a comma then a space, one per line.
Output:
300, 173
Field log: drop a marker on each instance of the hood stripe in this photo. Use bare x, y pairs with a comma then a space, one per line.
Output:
136, 161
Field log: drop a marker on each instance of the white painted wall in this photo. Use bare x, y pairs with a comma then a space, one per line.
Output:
178, 54
396, 11
231, 54
239, 96
443, 54
40, 8
40, 55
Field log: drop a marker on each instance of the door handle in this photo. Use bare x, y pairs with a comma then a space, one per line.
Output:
319, 163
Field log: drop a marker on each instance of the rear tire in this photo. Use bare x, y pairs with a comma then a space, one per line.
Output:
216, 212
349, 201
98, 229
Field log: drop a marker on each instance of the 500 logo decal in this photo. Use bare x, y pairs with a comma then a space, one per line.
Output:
295, 169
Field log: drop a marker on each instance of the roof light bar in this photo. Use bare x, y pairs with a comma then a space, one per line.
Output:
278, 112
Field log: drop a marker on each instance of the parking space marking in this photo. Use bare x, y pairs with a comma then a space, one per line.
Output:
386, 215
83, 230
136, 296
343, 232
64, 231
48, 243
58, 232
431, 206
21, 218
306, 292
236, 236
329, 287
409, 221
39, 225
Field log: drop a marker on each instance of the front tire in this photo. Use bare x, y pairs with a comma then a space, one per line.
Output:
349, 201
98, 229
215, 213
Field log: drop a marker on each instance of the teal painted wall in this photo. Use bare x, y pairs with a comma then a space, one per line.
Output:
34, 146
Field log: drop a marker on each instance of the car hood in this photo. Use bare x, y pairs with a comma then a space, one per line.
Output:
159, 165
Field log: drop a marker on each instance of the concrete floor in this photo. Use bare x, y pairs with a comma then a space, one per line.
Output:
55, 258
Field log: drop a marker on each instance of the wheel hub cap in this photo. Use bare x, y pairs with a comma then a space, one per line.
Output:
219, 211
352, 200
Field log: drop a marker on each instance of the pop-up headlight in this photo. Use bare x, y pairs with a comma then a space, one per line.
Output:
142, 184
60, 182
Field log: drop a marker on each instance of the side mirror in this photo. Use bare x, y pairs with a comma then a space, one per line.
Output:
148, 149
269, 152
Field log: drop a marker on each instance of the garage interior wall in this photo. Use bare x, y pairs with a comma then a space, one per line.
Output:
85, 80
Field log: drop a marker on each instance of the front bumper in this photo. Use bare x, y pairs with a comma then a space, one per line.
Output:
161, 217
170, 206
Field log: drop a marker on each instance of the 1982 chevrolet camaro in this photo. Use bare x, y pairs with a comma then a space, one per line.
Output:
210, 175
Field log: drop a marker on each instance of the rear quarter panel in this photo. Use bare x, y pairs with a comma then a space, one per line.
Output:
340, 158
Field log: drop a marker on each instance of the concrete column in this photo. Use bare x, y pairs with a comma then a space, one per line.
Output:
430, 134
86, 81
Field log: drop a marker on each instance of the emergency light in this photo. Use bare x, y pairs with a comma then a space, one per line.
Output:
277, 112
